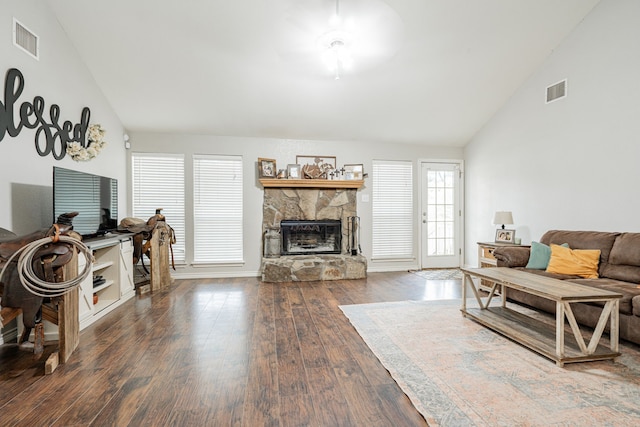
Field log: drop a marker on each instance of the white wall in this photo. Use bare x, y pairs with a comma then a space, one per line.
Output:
571, 164
61, 78
284, 151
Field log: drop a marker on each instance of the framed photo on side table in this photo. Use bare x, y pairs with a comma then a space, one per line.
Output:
353, 171
505, 236
266, 168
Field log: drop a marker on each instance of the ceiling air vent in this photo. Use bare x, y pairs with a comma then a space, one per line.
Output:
557, 91
25, 39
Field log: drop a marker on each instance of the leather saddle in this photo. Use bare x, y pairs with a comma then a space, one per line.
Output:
45, 262
142, 236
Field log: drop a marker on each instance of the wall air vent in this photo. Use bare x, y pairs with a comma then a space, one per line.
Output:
25, 39
557, 91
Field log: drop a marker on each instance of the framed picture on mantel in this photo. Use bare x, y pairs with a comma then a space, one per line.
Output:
293, 171
266, 168
353, 171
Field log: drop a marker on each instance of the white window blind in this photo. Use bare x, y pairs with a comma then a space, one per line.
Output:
158, 182
392, 209
217, 209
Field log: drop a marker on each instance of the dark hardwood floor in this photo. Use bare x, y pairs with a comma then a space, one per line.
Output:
221, 352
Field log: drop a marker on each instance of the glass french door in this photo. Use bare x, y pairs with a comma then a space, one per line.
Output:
441, 215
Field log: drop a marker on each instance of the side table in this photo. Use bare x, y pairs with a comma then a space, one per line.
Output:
486, 258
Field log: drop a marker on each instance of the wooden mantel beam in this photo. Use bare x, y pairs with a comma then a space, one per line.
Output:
311, 183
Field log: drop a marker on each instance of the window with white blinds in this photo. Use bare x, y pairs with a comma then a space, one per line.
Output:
392, 210
217, 209
158, 182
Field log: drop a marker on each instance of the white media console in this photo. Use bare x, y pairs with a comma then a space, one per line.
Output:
113, 260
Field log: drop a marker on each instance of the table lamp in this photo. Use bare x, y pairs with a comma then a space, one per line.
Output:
502, 218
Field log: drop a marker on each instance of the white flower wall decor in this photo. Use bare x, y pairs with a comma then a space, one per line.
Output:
95, 144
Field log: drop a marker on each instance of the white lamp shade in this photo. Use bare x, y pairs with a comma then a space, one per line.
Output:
502, 218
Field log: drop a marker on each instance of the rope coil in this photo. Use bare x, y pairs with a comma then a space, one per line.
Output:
32, 282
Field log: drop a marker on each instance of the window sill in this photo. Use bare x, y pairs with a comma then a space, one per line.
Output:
208, 264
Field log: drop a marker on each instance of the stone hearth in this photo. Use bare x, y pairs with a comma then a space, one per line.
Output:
304, 268
311, 204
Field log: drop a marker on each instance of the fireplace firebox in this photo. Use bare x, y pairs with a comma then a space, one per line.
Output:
300, 237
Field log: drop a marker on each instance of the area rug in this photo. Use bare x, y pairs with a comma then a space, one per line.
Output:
458, 373
439, 273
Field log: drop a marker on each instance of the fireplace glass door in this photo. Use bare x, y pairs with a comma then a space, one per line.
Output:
300, 237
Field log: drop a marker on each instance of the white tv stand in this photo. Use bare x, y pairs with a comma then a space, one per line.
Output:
113, 256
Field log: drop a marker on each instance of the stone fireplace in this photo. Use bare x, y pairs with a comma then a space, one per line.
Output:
310, 215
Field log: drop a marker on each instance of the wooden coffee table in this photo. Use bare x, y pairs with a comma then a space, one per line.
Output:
535, 334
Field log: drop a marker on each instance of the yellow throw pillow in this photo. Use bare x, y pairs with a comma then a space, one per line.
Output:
577, 262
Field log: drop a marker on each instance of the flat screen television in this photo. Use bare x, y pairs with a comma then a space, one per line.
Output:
94, 197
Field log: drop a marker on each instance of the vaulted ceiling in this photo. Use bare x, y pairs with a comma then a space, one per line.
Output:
242, 67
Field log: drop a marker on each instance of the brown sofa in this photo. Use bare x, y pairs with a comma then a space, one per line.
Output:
618, 270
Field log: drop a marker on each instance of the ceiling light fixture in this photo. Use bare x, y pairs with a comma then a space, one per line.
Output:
336, 38
336, 45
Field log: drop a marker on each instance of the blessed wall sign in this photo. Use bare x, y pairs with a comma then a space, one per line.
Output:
51, 136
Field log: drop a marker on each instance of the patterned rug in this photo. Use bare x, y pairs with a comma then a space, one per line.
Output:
458, 373
439, 273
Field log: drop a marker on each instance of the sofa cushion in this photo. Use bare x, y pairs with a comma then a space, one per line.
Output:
601, 240
626, 250
580, 262
624, 260
628, 291
540, 255
626, 273
635, 305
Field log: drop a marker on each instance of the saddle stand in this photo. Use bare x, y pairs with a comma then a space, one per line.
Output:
56, 263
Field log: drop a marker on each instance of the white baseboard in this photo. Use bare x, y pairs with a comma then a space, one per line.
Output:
388, 269
9, 335
216, 275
